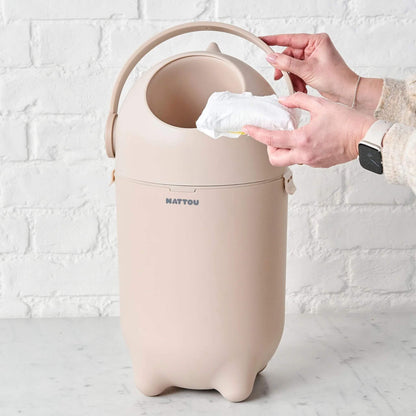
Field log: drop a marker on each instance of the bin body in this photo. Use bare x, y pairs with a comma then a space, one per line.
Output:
201, 227
202, 285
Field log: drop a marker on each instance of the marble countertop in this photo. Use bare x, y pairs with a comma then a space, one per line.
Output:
331, 365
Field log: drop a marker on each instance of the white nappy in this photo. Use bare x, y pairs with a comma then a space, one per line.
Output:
226, 113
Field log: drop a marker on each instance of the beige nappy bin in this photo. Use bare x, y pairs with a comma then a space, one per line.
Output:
201, 225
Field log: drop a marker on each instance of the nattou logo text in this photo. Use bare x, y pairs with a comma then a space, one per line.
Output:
182, 201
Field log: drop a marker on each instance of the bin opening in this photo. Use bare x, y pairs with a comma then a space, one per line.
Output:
179, 91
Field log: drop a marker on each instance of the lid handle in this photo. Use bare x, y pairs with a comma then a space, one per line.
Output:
156, 40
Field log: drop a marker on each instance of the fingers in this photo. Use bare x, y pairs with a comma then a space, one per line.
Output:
275, 138
280, 157
277, 74
298, 83
287, 63
294, 53
295, 40
303, 101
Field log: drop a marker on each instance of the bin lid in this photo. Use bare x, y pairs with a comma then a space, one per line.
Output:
155, 136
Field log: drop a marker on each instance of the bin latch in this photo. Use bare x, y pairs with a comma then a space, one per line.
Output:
290, 187
113, 177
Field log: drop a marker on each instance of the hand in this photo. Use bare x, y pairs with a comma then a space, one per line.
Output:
313, 60
331, 137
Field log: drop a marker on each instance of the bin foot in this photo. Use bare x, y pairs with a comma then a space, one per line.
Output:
150, 384
262, 369
235, 383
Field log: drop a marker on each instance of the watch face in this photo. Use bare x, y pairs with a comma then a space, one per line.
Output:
370, 158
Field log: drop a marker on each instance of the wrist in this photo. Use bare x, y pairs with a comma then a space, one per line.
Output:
368, 95
349, 87
366, 122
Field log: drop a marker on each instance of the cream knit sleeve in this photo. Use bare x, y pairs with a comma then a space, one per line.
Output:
398, 104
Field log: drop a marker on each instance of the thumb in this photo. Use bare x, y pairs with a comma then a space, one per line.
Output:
287, 63
301, 100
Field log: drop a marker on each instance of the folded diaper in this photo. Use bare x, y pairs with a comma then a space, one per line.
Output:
226, 113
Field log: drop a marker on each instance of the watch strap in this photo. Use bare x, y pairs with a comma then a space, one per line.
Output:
376, 132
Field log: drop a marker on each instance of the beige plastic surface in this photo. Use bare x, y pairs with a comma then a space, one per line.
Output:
156, 40
202, 284
177, 93
150, 149
202, 287
153, 136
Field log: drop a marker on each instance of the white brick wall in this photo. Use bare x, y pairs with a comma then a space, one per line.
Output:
351, 236
67, 43
13, 140
15, 45
271, 9
69, 9
14, 235
169, 10
60, 234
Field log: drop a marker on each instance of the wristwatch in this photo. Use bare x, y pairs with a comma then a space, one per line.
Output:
369, 148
